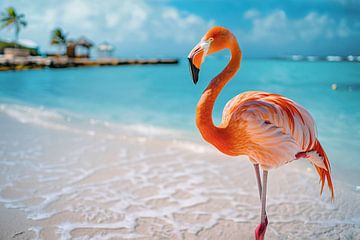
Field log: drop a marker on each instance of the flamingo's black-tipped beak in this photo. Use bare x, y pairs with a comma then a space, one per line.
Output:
194, 71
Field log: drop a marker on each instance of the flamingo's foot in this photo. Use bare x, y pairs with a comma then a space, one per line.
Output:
261, 229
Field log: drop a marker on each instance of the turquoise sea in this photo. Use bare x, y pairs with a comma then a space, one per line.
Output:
164, 96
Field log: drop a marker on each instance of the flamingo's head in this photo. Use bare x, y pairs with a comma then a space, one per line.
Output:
216, 39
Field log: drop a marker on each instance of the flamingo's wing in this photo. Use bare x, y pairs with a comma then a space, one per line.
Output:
280, 129
273, 145
275, 124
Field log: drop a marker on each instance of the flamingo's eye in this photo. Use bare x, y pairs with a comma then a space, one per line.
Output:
211, 39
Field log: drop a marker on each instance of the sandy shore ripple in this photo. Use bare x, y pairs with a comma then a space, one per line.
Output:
60, 184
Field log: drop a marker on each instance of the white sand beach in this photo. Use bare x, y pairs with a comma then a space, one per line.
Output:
67, 181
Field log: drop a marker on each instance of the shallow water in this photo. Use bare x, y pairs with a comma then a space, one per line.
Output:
164, 97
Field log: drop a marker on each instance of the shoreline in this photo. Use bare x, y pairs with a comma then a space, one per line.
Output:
87, 125
29, 63
86, 184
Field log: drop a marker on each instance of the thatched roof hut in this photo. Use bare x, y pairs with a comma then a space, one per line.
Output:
84, 42
73, 46
70, 49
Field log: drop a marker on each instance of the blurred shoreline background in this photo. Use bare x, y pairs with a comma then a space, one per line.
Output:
113, 152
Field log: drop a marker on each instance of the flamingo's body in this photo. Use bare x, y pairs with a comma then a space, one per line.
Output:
271, 129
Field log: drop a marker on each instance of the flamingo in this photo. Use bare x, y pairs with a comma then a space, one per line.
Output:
270, 129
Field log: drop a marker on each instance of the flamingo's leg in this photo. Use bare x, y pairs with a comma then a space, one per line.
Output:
263, 197
258, 179
261, 228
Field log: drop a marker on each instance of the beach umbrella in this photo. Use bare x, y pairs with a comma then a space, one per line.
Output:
105, 49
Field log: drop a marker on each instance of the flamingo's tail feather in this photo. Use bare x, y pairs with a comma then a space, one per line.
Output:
321, 162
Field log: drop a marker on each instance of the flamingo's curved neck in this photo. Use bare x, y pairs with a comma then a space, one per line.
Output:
205, 106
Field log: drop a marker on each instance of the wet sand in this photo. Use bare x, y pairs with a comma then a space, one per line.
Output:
68, 182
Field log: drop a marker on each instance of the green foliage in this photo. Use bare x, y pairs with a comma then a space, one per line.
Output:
58, 37
10, 18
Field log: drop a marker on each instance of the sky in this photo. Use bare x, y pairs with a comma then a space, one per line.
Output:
170, 28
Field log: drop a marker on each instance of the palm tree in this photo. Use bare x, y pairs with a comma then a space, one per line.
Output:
58, 38
10, 18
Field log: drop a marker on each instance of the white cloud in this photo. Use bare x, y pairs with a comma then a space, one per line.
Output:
135, 24
276, 27
251, 13
343, 30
